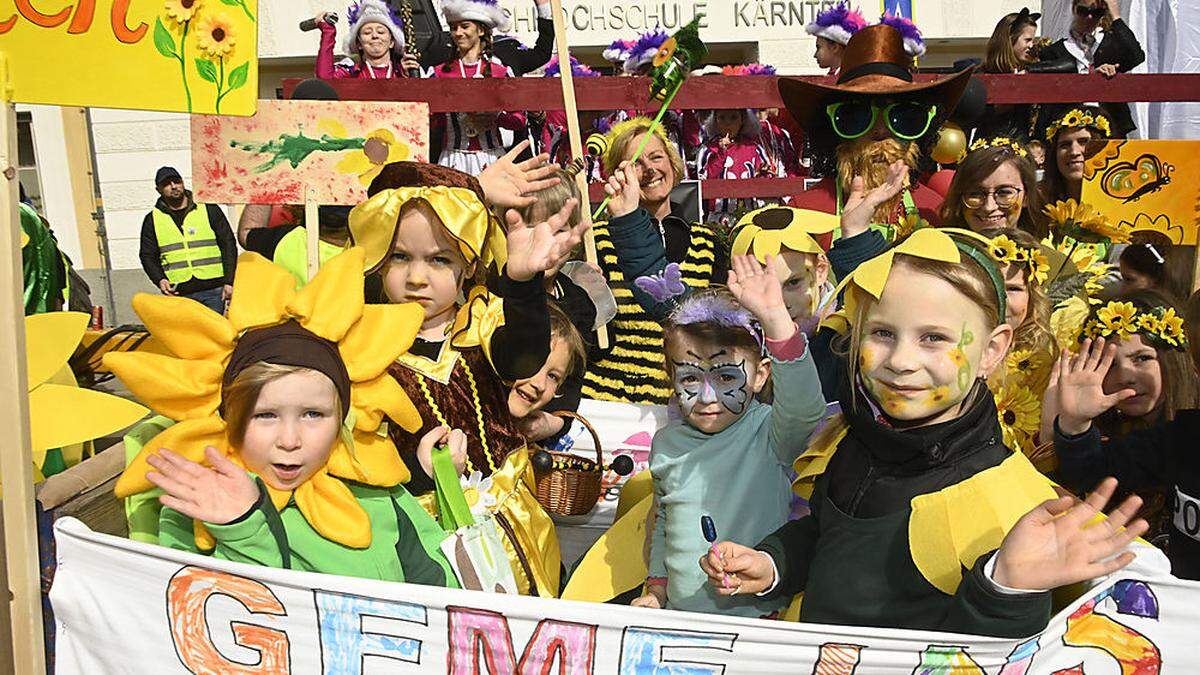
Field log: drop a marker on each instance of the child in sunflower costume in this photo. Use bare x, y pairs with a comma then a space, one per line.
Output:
430, 239
275, 458
914, 495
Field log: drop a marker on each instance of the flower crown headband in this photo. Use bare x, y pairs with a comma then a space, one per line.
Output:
1120, 320
999, 142
1079, 118
1005, 251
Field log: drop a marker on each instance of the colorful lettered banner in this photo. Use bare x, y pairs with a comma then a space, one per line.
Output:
172, 55
1151, 185
334, 147
122, 606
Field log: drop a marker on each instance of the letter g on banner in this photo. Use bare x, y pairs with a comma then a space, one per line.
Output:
188, 594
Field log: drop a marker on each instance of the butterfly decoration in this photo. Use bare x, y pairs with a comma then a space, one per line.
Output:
664, 285
1130, 181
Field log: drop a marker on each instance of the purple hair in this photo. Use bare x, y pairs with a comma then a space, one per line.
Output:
717, 308
914, 44
837, 24
645, 48
577, 69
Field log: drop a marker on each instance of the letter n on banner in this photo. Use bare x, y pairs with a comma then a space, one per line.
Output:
188, 594
345, 641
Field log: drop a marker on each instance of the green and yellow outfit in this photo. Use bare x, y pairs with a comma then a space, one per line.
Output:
632, 371
404, 539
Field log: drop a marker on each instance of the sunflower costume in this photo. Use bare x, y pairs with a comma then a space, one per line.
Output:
352, 516
460, 381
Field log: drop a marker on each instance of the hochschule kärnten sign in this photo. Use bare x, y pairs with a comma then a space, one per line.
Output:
602, 20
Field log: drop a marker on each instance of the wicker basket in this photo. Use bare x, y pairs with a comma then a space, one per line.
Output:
572, 492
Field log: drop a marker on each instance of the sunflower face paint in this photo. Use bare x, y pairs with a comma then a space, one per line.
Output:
714, 385
918, 356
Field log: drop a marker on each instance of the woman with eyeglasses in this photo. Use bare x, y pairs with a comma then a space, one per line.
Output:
1099, 41
995, 186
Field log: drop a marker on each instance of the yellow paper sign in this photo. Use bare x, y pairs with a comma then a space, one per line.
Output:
173, 55
1150, 185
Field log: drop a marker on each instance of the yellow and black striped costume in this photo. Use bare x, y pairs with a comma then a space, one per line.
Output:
632, 371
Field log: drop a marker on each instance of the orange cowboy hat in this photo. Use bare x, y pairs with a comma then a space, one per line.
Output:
875, 63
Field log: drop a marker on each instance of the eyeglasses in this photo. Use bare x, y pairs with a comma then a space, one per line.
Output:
908, 120
1090, 12
1005, 197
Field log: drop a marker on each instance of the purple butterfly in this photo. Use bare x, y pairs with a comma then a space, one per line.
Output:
663, 286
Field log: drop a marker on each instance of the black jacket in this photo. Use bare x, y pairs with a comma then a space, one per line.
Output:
152, 259
1163, 456
506, 48
851, 555
1119, 47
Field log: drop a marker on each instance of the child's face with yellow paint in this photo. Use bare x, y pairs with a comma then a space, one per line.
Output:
801, 275
922, 348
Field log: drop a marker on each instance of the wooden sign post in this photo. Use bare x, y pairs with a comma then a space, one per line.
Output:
576, 139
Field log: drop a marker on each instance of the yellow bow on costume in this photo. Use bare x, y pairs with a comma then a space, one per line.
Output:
373, 223
187, 386
477, 320
769, 230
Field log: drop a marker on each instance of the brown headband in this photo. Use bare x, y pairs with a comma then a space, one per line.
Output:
289, 344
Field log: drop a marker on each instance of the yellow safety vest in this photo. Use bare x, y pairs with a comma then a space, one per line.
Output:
189, 252
291, 253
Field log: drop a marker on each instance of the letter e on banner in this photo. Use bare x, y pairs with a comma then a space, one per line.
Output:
345, 641
188, 594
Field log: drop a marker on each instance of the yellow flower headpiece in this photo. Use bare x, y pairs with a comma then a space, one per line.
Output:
1120, 320
373, 223
1005, 251
611, 160
769, 230
187, 386
930, 244
999, 142
1077, 118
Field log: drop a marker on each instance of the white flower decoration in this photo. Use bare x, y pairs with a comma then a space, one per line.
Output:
476, 489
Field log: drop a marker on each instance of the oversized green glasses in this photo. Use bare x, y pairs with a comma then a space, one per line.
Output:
908, 120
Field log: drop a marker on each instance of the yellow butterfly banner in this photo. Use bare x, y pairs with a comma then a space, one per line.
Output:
171, 55
1150, 185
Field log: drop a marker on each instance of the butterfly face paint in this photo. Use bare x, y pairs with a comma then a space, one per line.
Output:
714, 389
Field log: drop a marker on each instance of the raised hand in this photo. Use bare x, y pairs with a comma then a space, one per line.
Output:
757, 288
217, 495
654, 597
454, 439
1079, 384
507, 183
861, 203
735, 569
1057, 544
624, 190
540, 247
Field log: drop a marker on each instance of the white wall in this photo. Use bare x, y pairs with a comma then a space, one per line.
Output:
58, 198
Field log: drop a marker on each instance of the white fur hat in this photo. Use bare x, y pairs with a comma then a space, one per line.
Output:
372, 11
486, 12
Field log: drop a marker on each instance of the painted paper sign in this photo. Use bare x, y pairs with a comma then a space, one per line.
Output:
334, 147
173, 55
1151, 185
123, 606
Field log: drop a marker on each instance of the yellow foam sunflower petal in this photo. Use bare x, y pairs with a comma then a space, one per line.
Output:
188, 438
323, 306
382, 334
50, 340
372, 399
279, 498
374, 461
330, 507
173, 387
61, 415
185, 327
261, 293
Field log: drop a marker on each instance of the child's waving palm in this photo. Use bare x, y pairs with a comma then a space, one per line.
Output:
218, 495
1078, 382
538, 247
757, 288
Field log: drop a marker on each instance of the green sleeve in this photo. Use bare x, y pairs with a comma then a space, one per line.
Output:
142, 509
175, 531
418, 543
250, 539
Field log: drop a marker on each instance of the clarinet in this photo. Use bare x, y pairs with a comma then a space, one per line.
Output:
409, 38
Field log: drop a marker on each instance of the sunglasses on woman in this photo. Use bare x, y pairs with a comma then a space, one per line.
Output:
908, 120
1004, 196
1090, 12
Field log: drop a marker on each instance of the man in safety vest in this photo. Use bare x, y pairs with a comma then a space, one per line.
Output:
187, 248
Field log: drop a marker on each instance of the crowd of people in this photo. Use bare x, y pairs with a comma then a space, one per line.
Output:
849, 371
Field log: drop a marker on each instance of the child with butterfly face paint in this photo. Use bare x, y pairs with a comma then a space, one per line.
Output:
729, 455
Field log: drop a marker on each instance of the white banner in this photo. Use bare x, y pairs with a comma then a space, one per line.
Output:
126, 607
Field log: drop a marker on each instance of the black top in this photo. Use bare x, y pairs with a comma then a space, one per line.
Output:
858, 530
152, 259
506, 48
1162, 456
1119, 47
264, 240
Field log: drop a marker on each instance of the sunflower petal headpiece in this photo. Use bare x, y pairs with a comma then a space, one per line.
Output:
1005, 251
1009, 144
1119, 320
769, 230
187, 387
1078, 118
